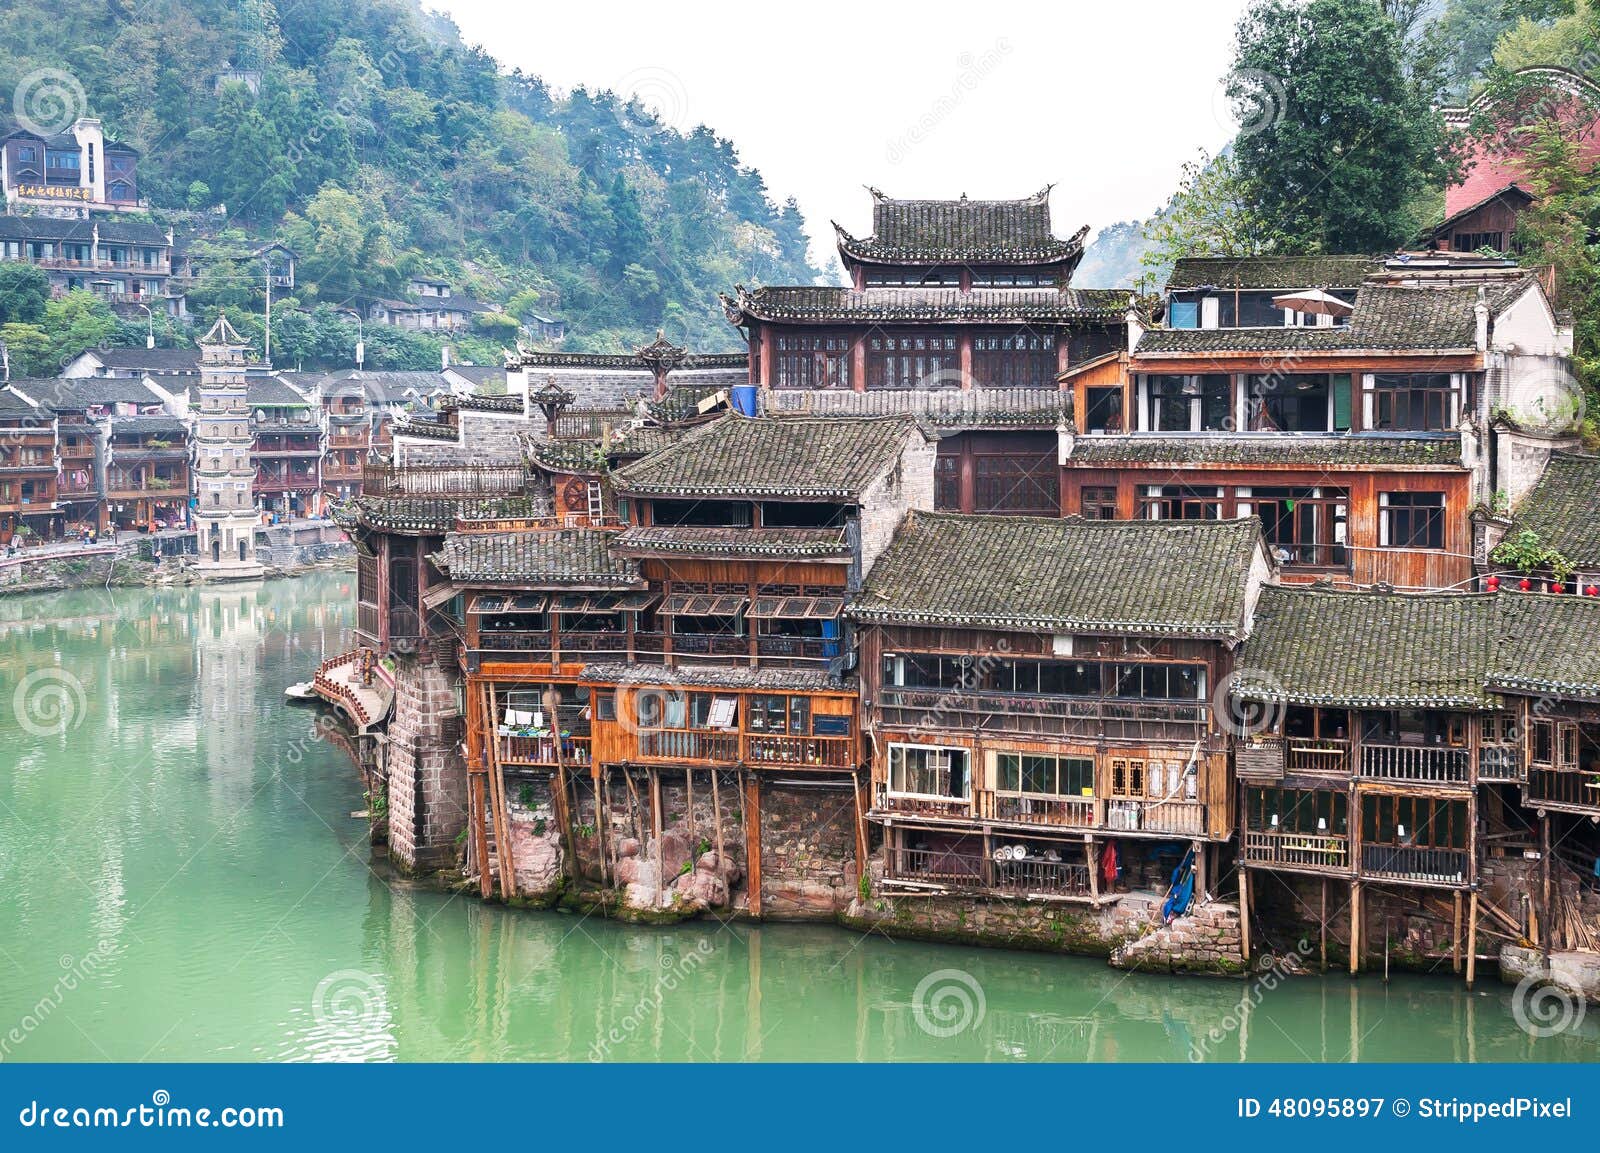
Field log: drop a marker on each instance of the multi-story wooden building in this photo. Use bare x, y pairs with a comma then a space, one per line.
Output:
127, 263
1038, 695
29, 471
946, 296
77, 169
1360, 436
286, 448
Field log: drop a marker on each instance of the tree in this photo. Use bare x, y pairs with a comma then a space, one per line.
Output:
29, 348
1213, 213
24, 292
1340, 124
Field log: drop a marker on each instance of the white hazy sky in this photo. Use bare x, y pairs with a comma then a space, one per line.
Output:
933, 99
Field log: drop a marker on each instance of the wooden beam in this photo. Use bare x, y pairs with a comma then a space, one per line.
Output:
1455, 937
752, 840
497, 798
1355, 927
1244, 912
722, 853
1546, 922
1472, 940
1322, 925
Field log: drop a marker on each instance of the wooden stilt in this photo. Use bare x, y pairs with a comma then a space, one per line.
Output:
552, 701
1244, 912
1455, 937
480, 836
1546, 923
716, 815
657, 823
1472, 939
688, 785
1322, 926
502, 818
1355, 927
1092, 851
602, 820
861, 828
752, 840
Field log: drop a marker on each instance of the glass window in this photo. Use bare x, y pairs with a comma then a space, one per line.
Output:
1414, 402
1411, 520
929, 772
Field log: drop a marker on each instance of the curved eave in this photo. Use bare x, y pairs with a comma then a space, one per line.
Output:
861, 252
1190, 629
1377, 702
742, 493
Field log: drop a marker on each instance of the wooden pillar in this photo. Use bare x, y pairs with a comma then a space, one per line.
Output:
1244, 912
1322, 925
1455, 937
1092, 853
752, 840
1472, 940
1355, 927
716, 815
861, 828
655, 833
1546, 923
964, 342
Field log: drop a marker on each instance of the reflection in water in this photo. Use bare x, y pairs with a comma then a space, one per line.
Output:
193, 834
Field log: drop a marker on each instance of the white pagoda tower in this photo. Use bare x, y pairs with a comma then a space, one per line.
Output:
224, 477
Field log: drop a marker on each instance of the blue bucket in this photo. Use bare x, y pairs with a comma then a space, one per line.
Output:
743, 397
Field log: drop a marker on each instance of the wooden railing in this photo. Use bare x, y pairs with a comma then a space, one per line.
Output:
809, 649
710, 644
922, 806
1314, 852
1501, 763
443, 480
1033, 809
688, 745
819, 752
1031, 875
1044, 716
1416, 764
1186, 818
1316, 755
1408, 862
1566, 789
540, 752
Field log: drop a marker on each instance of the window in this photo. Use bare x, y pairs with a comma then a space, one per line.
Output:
1411, 520
913, 278
65, 161
1019, 360
947, 483
775, 714
27, 154
1419, 821
605, 706
1414, 402
1299, 403
985, 278
1098, 503
812, 360
921, 770
1189, 403
1127, 778
1473, 241
1044, 775
1177, 502
1305, 527
1016, 484
913, 361
1102, 410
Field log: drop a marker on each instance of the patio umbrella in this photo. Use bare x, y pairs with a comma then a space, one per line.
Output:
1313, 301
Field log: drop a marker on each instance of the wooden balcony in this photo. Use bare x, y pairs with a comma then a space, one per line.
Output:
1297, 852
540, 752
1180, 818
1446, 765
914, 805
1031, 876
1326, 756
814, 752
688, 745
710, 644
1565, 790
1034, 809
760, 749
1452, 867
1501, 763
1114, 717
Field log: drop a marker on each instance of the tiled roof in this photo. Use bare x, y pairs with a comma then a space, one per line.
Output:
965, 231
948, 408
803, 303
817, 458
716, 677
1546, 644
1386, 318
699, 540
69, 392
533, 361
13, 406
1564, 508
1335, 450
387, 386
1369, 649
1284, 273
58, 228
426, 430
486, 403
437, 515
644, 439
564, 556
567, 455
1183, 578
270, 392
147, 425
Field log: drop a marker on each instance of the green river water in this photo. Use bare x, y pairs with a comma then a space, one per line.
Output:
181, 878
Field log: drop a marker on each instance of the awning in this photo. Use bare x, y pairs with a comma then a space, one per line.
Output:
527, 603
602, 602
702, 605
796, 608
435, 597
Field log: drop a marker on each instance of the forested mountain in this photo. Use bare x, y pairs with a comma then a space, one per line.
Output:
370, 138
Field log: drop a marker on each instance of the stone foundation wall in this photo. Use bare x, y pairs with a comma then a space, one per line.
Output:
1206, 940
427, 777
808, 851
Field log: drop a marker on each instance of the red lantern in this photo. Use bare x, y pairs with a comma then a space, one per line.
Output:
1492, 584
1557, 587
1592, 591
1525, 585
